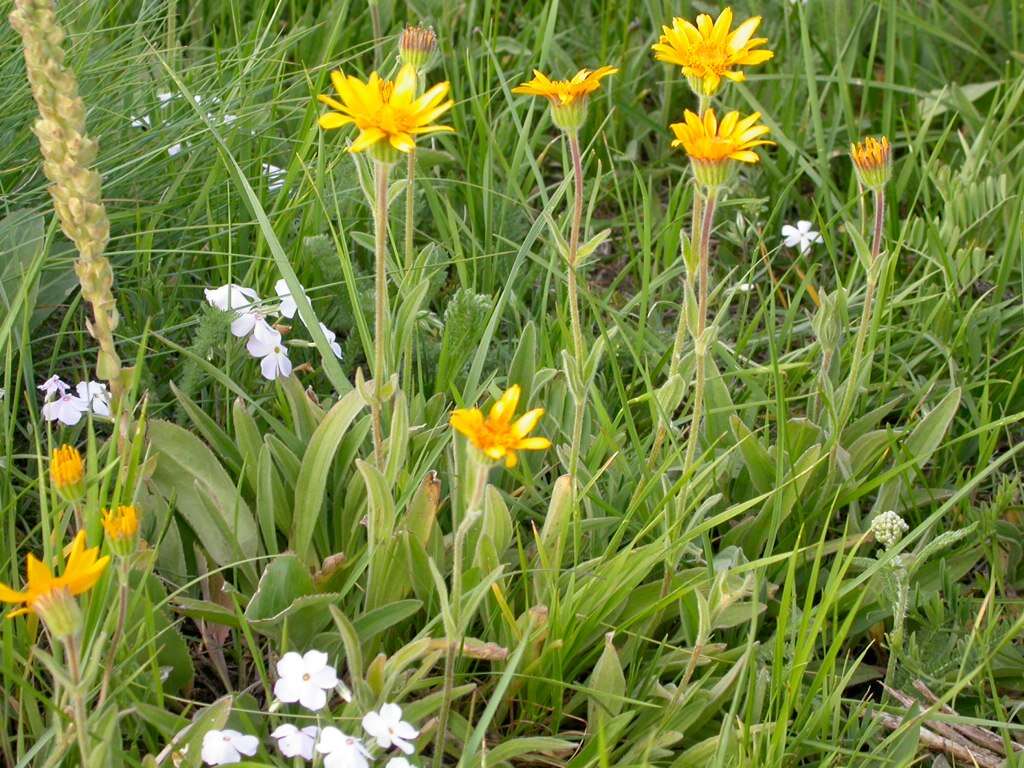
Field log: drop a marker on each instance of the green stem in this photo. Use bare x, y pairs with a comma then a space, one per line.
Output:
856, 375
378, 33
699, 341
115, 639
77, 697
579, 350
410, 181
680, 337
481, 470
380, 374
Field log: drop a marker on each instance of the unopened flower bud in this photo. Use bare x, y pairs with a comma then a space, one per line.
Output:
417, 46
122, 527
872, 158
67, 473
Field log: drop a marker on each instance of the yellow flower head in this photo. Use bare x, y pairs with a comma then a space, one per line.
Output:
711, 144
568, 98
121, 524
498, 436
45, 593
67, 470
709, 51
388, 114
873, 160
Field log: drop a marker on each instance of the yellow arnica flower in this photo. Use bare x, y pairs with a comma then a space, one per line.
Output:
388, 114
66, 469
83, 569
709, 51
568, 98
712, 144
498, 436
873, 160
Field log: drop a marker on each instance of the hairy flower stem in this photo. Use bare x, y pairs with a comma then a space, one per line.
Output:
410, 181
380, 374
115, 639
579, 349
857, 362
68, 154
78, 709
480, 470
700, 340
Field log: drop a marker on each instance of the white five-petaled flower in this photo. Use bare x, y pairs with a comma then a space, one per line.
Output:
802, 235
239, 300
53, 386
67, 409
266, 344
389, 729
288, 306
331, 336
227, 747
305, 679
295, 742
96, 395
341, 750
275, 177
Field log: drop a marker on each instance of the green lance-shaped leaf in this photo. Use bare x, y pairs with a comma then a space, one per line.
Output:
316, 464
607, 685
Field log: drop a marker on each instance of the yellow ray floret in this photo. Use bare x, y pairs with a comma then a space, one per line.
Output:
706, 140
384, 110
710, 50
83, 569
497, 435
565, 92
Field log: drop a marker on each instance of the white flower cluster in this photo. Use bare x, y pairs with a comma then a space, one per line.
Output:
889, 528
307, 679
249, 320
59, 404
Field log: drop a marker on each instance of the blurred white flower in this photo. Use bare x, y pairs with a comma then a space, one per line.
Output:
341, 750
389, 729
275, 176
67, 409
227, 747
802, 236
141, 122
744, 287
96, 395
288, 306
305, 679
294, 742
266, 343
237, 299
398, 762
53, 386
331, 336
175, 149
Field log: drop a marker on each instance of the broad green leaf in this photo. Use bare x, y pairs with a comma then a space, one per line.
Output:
316, 465
184, 465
